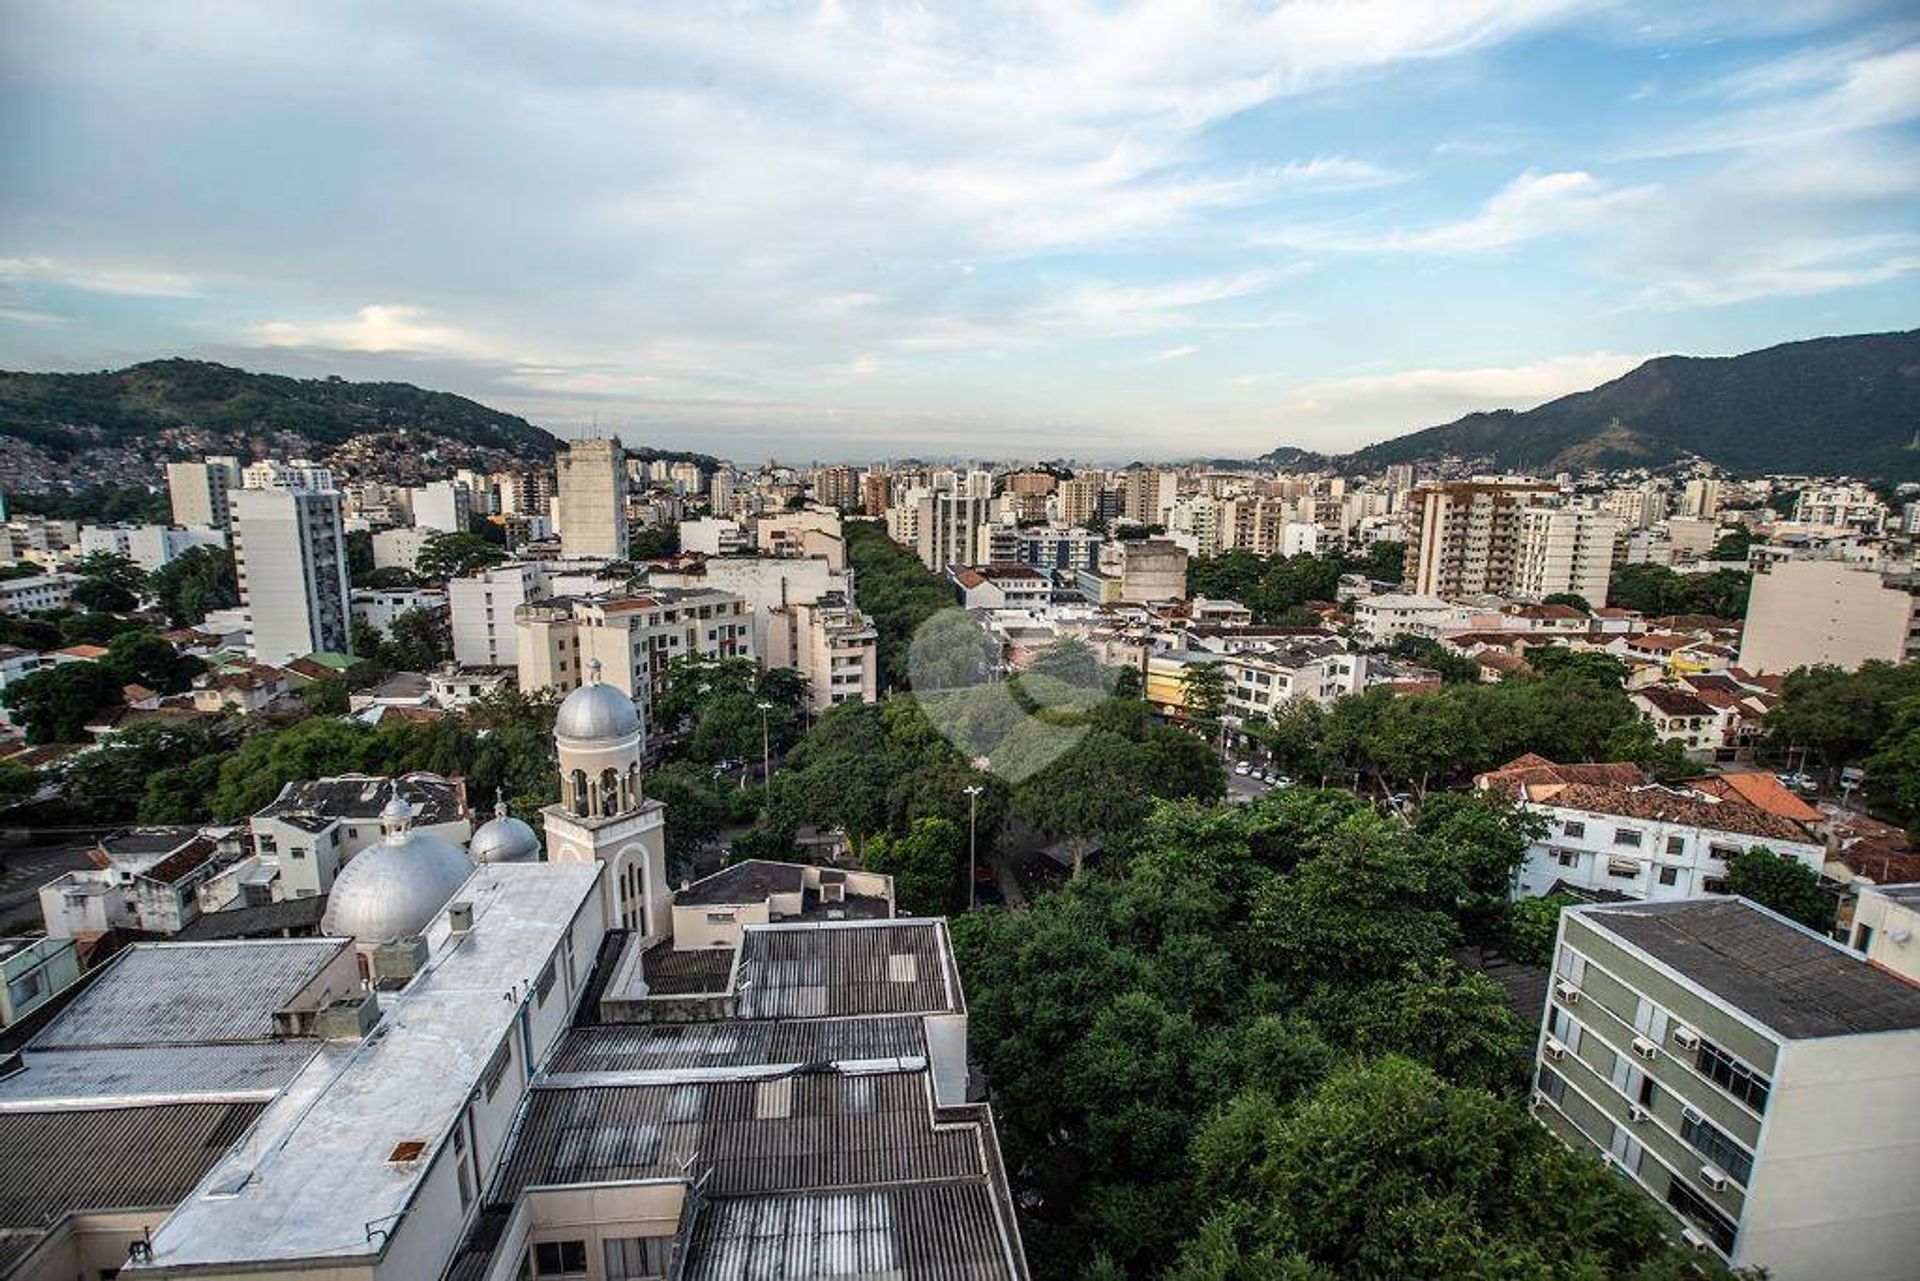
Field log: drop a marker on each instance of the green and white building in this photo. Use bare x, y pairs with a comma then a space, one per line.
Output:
1759, 1082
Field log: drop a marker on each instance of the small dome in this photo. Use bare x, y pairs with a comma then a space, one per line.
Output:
596, 712
504, 839
394, 887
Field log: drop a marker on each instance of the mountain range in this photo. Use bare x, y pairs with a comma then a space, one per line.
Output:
148, 404
1826, 406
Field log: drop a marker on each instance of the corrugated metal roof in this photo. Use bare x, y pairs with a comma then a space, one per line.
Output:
837, 1131
943, 1230
126, 1072
821, 971
649, 1047
104, 1158
187, 993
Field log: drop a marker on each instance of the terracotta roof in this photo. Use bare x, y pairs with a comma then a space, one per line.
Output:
1665, 805
969, 578
1660, 641
1546, 611
1762, 791
89, 652
1534, 769
1669, 701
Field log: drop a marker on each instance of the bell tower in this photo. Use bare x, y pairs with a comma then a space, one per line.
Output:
603, 815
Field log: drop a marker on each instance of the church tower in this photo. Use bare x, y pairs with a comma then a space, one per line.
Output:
603, 815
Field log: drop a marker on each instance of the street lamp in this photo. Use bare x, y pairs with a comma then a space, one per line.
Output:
766, 756
973, 798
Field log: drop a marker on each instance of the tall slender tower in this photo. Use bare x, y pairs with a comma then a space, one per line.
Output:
603, 816
593, 499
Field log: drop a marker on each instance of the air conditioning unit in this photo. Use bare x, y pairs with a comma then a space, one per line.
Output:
1636, 1114
1686, 1038
1714, 1177
1645, 1049
1692, 1239
1567, 992
1555, 1050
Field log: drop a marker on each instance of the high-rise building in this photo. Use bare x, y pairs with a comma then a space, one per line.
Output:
1701, 498
1809, 612
1562, 550
876, 493
1465, 537
633, 638
290, 550
198, 491
593, 499
946, 528
443, 506
1079, 497
1755, 1080
836, 487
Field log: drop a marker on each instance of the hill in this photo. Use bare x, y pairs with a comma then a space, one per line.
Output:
1827, 406
147, 404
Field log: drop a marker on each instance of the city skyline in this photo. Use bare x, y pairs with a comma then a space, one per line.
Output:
875, 232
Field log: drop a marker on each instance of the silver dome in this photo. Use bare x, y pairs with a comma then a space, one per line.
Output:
596, 712
504, 839
394, 887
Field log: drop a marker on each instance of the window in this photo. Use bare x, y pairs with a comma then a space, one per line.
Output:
1551, 1084
1676, 845
1574, 829
637, 1258
1669, 876
560, 1258
545, 983
1712, 1143
26, 988
1649, 1092
1626, 836
1696, 1210
1733, 1076
1713, 885
1863, 938
268, 845
1723, 852
1566, 858
497, 1067
1623, 868
296, 851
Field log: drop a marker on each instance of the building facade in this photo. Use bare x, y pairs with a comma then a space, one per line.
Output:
592, 499
290, 551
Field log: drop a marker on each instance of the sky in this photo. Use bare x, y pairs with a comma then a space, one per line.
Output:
865, 230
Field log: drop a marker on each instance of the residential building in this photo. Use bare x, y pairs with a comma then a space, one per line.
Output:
144, 878
831, 643
481, 609
808, 532
314, 828
1701, 498
443, 506
1147, 569
1057, 547
198, 491
379, 606
291, 555
876, 493
1261, 680
837, 487
1806, 612
1391, 615
946, 527
1465, 538
1841, 507
298, 473
592, 499
715, 536
1606, 835
32, 972
633, 638
400, 547
1077, 498
148, 546
1562, 550
1756, 1081
1886, 923
1681, 716
37, 591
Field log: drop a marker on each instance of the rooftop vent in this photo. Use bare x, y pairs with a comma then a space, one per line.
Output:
408, 1151
460, 916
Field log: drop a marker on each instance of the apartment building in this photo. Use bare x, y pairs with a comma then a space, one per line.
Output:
946, 527
1641, 840
148, 546
290, 551
1058, 547
1701, 498
1077, 499
443, 506
837, 487
831, 643
198, 491
1391, 615
1886, 928
32, 972
142, 878
876, 493
1002, 587
1563, 549
592, 499
1263, 679
1756, 1081
37, 591
1146, 569
1465, 537
1841, 507
633, 638
1805, 612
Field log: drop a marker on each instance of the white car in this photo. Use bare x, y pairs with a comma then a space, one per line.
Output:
1242, 769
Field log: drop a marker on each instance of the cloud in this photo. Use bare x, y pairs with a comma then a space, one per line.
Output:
1532, 206
1337, 173
27, 316
99, 278
1172, 353
378, 327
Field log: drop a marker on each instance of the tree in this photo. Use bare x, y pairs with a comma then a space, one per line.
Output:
1384, 562
695, 807
1734, 544
18, 784
655, 543
1454, 667
417, 642
95, 629
1573, 599
446, 556
924, 864
1203, 693
315, 748
194, 584
98, 595
143, 658
387, 578
1559, 662
109, 783
1786, 885
55, 703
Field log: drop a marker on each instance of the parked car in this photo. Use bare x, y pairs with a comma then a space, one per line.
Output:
1803, 783
1242, 768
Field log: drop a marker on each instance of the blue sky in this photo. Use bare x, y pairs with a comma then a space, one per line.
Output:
850, 230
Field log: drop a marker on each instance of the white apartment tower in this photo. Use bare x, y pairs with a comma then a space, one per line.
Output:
1564, 549
291, 553
198, 491
593, 499
946, 528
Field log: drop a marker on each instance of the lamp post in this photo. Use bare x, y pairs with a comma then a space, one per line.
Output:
766, 756
973, 798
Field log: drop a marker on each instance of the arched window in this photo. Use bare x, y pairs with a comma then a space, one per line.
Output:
609, 792
581, 803
633, 787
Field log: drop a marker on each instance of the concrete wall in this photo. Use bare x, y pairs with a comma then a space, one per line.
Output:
1804, 612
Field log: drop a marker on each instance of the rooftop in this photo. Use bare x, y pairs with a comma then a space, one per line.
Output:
813, 970
318, 1171
1664, 805
1790, 979
363, 796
